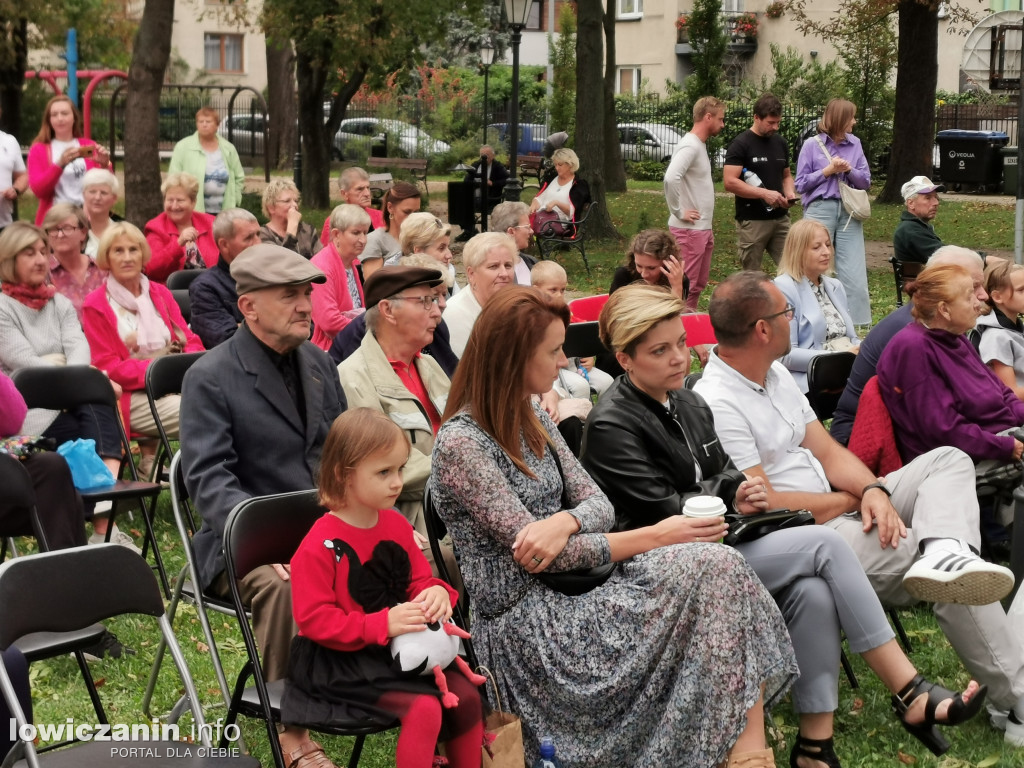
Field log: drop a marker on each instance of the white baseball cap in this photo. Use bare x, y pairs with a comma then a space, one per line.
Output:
920, 185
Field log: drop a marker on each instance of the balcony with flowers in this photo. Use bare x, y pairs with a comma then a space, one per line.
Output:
740, 29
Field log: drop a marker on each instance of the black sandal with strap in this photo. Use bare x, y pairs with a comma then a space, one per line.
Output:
825, 751
925, 731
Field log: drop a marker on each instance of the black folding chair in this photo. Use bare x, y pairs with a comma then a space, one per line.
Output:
903, 272
184, 301
164, 376
583, 340
826, 379
436, 531
182, 279
60, 387
70, 590
263, 531
186, 587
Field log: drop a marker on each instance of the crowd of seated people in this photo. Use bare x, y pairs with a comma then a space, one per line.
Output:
476, 380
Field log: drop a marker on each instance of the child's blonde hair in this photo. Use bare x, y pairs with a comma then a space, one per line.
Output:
355, 435
547, 272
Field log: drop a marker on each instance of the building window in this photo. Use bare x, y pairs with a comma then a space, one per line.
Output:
732, 6
223, 52
629, 9
629, 80
535, 20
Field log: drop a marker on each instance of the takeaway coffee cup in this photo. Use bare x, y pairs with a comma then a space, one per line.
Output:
704, 506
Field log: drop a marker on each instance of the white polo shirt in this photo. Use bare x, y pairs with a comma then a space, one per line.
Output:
763, 425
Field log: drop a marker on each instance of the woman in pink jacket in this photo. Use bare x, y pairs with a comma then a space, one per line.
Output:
181, 237
60, 156
128, 322
340, 300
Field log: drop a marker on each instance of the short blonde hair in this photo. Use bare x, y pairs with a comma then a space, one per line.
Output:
15, 238
181, 180
479, 246
566, 155
275, 189
632, 311
347, 215
421, 230
546, 272
112, 233
101, 177
797, 242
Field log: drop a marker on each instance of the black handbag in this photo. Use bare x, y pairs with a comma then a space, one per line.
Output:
580, 581
744, 528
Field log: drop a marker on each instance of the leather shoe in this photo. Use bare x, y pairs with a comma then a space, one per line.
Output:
309, 755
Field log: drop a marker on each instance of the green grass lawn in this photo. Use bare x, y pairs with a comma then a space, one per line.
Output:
867, 733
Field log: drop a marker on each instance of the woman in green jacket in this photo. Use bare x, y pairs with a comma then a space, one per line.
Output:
213, 160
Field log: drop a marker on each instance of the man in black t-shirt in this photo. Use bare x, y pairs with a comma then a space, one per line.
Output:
762, 215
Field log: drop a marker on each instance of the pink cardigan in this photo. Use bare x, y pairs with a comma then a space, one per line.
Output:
43, 174
109, 352
332, 298
167, 256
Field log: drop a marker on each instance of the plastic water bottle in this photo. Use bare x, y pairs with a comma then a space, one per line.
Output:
547, 757
753, 180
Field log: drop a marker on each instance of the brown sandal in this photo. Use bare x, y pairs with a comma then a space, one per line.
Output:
761, 758
309, 755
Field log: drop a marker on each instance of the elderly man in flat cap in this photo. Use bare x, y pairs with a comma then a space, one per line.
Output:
255, 413
388, 373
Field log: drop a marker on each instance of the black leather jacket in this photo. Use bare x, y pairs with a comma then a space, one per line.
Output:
645, 461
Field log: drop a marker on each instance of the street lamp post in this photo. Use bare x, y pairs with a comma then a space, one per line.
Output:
486, 59
516, 12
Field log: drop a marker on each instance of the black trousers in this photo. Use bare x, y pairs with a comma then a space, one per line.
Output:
43, 480
17, 670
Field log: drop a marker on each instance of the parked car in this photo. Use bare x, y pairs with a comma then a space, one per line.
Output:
357, 136
648, 141
246, 132
531, 138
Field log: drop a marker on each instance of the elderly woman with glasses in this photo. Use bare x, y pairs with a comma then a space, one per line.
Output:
821, 322
513, 218
72, 272
129, 321
286, 228
39, 328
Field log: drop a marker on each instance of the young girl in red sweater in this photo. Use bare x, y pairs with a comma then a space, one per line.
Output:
358, 580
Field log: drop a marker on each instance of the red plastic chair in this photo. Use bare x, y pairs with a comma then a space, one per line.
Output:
698, 329
588, 308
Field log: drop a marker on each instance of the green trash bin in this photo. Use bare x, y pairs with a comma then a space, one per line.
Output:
1009, 170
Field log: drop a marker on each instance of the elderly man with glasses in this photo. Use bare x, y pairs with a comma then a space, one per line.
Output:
389, 373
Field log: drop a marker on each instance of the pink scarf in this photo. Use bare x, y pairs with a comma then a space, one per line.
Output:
33, 298
152, 333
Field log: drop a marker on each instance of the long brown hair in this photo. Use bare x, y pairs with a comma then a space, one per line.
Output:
45, 135
490, 379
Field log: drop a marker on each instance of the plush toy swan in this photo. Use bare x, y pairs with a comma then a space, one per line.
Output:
431, 652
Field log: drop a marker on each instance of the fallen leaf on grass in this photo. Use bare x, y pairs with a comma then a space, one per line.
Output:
906, 759
202, 647
989, 761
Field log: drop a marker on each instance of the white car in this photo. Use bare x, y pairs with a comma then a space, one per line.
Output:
357, 135
648, 141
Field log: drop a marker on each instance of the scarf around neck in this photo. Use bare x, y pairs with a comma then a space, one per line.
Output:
152, 333
33, 298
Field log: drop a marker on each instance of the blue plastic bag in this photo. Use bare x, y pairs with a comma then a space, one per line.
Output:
87, 468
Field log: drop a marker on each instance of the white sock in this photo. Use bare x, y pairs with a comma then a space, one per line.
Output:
944, 545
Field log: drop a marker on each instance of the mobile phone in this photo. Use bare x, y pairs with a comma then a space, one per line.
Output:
793, 200
86, 150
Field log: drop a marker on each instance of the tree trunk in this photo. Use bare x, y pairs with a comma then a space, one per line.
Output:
590, 112
614, 169
12, 79
281, 102
316, 145
150, 55
917, 72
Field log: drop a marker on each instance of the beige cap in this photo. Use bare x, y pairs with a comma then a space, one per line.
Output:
920, 185
267, 265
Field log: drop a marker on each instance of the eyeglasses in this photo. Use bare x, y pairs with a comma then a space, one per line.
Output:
438, 224
66, 231
424, 301
521, 226
788, 312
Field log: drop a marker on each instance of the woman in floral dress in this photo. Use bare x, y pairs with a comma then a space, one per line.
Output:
668, 663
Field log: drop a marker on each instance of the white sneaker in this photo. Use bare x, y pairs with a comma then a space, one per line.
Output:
946, 576
116, 537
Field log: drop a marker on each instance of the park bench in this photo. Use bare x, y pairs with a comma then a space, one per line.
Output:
416, 167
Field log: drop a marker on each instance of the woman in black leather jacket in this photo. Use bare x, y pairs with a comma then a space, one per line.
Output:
650, 445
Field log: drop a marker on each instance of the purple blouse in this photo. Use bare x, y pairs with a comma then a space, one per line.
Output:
813, 185
75, 291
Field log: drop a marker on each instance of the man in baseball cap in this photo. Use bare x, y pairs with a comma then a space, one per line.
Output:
255, 413
915, 239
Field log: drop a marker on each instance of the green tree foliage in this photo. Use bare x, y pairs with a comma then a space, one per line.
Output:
709, 41
562, 54
339, 45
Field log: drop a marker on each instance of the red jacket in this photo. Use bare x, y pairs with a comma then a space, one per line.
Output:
109, 352
167, 256
43, 174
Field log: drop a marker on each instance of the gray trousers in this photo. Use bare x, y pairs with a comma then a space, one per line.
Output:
820, 588
934, 496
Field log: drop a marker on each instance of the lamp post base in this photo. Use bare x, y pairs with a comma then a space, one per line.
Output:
513, 189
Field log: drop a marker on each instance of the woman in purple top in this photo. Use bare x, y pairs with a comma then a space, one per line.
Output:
833, 155
934, 384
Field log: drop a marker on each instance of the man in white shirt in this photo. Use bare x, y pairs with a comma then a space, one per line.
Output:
914, 531
13, 179
690, 194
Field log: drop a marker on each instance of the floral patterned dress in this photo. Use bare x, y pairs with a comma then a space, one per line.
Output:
657, 667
